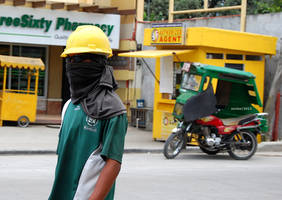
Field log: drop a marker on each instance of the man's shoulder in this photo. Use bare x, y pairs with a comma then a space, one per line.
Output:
65, 108
119, 117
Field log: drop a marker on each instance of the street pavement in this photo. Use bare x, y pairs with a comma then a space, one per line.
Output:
28, 160
42, 139
149, 176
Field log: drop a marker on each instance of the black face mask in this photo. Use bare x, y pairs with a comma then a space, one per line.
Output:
83, 78
92, 84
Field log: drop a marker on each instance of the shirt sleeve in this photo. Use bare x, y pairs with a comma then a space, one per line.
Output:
113, 137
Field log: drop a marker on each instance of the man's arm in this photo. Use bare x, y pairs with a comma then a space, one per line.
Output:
106, 179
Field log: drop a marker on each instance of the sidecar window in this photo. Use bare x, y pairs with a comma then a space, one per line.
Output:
191, 81
222, 94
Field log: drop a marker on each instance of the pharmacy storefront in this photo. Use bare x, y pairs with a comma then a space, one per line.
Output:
42, 33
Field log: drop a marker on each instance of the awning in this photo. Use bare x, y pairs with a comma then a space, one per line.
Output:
21, 62
155, 53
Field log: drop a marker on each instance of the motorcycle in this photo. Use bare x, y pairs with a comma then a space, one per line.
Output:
220, 121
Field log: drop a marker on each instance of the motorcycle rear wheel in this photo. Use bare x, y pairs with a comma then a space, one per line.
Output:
243, 145
173, 145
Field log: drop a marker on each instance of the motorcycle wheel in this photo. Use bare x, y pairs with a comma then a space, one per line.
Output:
208, 151
243, 145
173, 145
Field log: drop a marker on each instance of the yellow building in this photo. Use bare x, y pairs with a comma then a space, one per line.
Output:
176, 44
39, 29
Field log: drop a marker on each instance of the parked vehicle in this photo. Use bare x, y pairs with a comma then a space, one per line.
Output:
19, 78
224, 120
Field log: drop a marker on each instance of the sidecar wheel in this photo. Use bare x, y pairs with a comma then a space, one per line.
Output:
243, 145
173, 145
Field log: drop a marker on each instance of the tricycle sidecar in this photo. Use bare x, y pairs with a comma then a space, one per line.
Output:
235, 91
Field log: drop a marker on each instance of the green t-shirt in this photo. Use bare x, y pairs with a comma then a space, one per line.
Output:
79, 136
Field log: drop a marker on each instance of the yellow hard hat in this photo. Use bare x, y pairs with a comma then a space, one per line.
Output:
87, 39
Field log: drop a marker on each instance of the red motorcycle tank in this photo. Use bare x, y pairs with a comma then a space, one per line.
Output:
210, 121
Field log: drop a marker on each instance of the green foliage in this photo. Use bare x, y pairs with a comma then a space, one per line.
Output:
157, 10
269, 6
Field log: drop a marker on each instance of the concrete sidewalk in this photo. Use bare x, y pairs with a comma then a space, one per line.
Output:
44, 139
41, 139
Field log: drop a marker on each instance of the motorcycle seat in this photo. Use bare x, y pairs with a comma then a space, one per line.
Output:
238, 120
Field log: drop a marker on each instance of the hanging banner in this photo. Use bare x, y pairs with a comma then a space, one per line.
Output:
52, 27
166, 75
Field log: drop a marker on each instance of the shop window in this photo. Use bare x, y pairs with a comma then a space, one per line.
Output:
235, 66
253, 57
4, 49
16, 78
33, 52
214, 56
234, 57
19, 79
191, 82
1, 78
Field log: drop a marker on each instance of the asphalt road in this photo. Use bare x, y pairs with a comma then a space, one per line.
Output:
152, 177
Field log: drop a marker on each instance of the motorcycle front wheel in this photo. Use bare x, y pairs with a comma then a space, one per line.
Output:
243, 145
173, 145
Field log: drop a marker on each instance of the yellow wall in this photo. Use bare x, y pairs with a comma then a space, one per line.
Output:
227, 39
157, 114
124, 75
129, 94
124, 4
129, 97
102, 2
55, 72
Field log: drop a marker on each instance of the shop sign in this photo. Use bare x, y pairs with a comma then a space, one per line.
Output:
163, 34
52, 27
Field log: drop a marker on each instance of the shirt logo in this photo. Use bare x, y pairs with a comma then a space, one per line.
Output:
90, 121
77, 107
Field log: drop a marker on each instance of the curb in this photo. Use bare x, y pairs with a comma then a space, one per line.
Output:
267, 148
128, 151
27, 152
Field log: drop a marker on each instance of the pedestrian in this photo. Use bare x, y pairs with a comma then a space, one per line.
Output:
94, 123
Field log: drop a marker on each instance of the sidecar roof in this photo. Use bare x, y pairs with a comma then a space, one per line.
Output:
219, 72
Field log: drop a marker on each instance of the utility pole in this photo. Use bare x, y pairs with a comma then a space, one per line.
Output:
243, 15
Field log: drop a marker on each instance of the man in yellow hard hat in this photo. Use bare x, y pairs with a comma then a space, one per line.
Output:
94, 122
